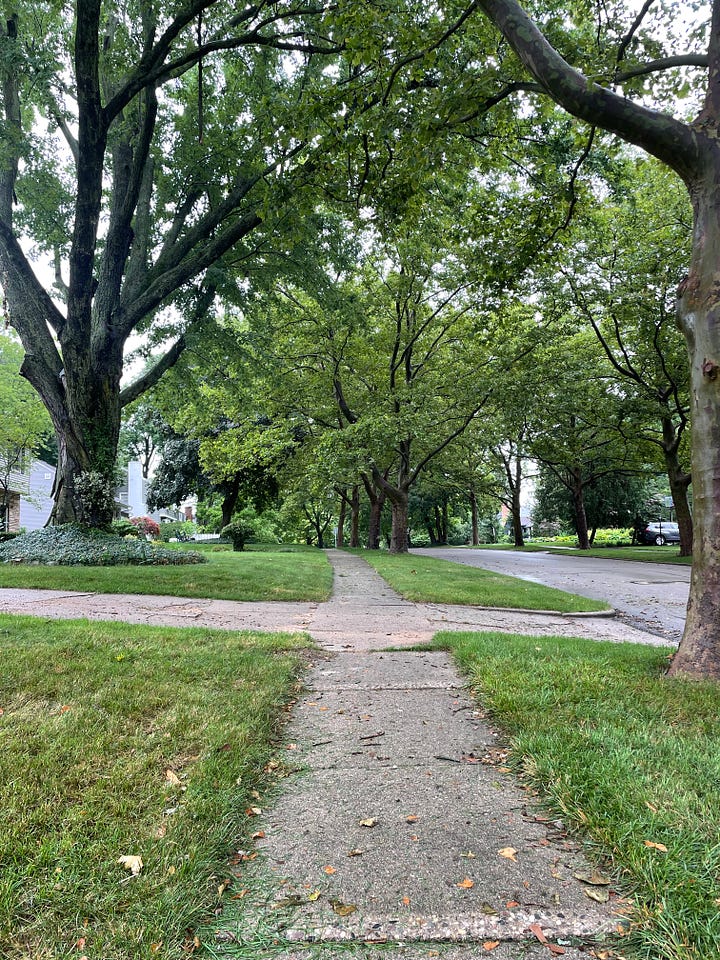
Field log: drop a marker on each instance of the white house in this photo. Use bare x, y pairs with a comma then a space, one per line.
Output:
31, 497
15, 486
36, 502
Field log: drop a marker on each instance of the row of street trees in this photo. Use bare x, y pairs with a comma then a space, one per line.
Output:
172, 159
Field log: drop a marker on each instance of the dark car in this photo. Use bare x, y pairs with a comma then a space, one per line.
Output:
660, 533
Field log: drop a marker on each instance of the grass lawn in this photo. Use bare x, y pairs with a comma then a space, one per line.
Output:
628, 757
120, 741
278, 574
429, 580
668, 554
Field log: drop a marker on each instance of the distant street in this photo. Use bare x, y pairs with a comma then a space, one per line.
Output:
650, 596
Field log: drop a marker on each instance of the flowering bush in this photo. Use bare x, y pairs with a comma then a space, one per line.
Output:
146, 525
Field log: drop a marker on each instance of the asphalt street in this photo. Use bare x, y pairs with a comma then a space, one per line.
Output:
649, 596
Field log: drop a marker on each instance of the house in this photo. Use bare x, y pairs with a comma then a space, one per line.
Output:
131, 497
14, 485
37, 501
30, 497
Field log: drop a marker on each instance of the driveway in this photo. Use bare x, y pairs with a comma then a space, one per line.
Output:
650, 596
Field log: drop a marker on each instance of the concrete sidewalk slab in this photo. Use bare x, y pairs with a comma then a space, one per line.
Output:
395, 820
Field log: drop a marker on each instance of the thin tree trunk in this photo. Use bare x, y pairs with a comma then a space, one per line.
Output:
475, 535
340, 538
376, 508
230, 500
399, 536
376, 496
679, 482
355, 517
581, 524
517, 518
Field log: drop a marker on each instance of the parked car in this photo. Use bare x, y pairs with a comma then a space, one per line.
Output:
660, 533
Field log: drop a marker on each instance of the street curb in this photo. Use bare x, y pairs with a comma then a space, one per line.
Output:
585, 615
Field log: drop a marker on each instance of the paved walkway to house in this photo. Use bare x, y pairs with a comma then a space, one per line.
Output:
400, 822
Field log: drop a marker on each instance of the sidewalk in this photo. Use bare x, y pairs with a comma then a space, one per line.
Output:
363, 613
400, 824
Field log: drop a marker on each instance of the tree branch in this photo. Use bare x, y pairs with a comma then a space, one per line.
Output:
666, 138
148, 379
664, 63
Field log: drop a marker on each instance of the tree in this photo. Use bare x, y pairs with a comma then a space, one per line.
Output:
24, 423
692, 150
611, 500
626, 291
137, 104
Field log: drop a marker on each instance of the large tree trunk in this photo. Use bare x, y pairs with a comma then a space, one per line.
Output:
399, 542
699, 312
87, 428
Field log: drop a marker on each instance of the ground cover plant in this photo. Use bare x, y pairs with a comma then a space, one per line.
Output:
256, 575
120, 741
74, 545
429, 580
626, 755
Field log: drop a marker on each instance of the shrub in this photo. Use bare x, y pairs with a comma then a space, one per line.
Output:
123, 528
236, 531
73, 544
146, 525
178, 529
8, 535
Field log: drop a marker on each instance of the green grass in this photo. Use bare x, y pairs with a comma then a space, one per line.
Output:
668, 554
278, 574
625, 755
429, 580
93, 715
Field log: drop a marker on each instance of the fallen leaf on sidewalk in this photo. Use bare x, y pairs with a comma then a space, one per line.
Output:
490, 945
599, 894
368, 822
406, 901
253, 811
315, 895
343, 909
593, 877
466, 883
537, 930
355, 852
413, 818
259, 835
329, 870
510, 853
